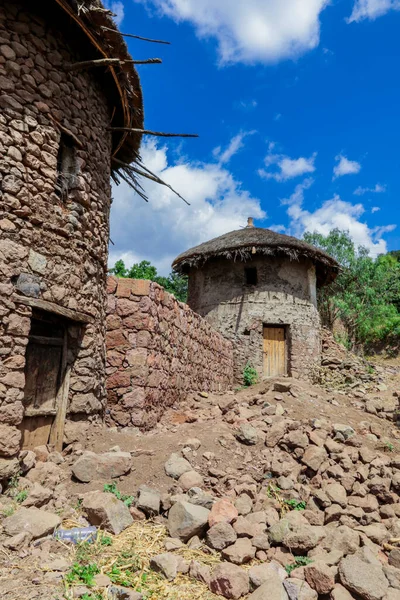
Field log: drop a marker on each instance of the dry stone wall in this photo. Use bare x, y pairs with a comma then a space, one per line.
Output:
53, 246
158, 350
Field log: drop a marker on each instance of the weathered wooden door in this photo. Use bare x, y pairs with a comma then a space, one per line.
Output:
43, 378
274, 346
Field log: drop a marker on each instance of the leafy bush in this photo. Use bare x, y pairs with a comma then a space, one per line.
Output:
82, 573
296, 504
300, 561
111, 488
365, 297
250, 375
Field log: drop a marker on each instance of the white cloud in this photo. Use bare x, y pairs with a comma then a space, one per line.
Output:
345, 166
375, 209
277, 117
287, 167
246, 105
164, 227
117, 7
236, 144
372, 9
377, 189
331, 214
251, 31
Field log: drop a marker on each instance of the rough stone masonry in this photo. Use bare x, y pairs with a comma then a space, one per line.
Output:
158, 350
54, 215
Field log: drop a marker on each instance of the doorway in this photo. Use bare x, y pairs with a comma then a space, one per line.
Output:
274, 351
45, 381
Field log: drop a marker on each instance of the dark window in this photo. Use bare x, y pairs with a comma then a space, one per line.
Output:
66, 165
251, 276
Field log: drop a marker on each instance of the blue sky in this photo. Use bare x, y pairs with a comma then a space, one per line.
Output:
297, 106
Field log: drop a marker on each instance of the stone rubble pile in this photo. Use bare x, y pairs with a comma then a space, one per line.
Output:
316, 513
302, 510
341, 369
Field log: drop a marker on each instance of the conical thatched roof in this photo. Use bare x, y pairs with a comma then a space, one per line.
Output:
90, 18
245, 243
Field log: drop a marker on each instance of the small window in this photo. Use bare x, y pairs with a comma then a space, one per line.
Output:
66, 165
251, 276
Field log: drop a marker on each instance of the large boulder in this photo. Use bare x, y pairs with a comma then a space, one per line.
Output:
320, 577
37, 496
92, 467
272, 590
105, 510
167, 564
8, 468
176, 466
10, 440
298, 589
148, 501
247, 434
32, 520
229, 581
260, 574
242, 551
314, 456
221, 535
304, 538
363, 578
186, 520
222, 511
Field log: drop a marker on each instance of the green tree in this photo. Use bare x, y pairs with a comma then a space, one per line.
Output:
365, 296
174, 284
119, 269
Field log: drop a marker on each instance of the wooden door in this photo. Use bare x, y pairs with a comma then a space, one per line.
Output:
42, 381
274, 346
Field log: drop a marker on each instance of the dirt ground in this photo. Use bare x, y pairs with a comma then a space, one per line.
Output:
26, 575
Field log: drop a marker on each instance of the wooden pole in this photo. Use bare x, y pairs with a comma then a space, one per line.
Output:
136, 37
157, 133
106, 62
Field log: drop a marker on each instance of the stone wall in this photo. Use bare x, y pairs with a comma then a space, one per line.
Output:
285, 295
53, 246
158, 350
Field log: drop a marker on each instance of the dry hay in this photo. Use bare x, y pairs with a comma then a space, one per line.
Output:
127, 562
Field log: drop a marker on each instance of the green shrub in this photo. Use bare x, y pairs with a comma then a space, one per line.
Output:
250, 375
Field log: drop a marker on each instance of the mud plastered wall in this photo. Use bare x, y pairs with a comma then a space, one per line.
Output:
285, 294
158, 350
52, 247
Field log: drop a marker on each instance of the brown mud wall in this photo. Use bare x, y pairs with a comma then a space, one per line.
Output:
158, 350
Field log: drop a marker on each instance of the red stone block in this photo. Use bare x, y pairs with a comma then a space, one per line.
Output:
115, 339
112, 283
140, 287
124, 288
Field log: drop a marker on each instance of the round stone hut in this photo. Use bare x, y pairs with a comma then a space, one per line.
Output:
259, 288
59, 97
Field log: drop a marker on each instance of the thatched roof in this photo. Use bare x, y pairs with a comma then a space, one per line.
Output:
123, 85
245, 243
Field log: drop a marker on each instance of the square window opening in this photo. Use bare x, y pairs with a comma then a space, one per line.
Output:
251, 276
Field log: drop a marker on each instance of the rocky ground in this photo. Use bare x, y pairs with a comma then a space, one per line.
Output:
281, 491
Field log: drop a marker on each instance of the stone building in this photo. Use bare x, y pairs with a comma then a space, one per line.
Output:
259, 289
57, 156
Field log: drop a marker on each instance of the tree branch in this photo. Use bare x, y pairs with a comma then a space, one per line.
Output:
136, 37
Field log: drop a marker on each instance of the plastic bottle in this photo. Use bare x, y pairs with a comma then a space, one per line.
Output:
77, 535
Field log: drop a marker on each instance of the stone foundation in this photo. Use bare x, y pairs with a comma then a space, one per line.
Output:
158, 350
